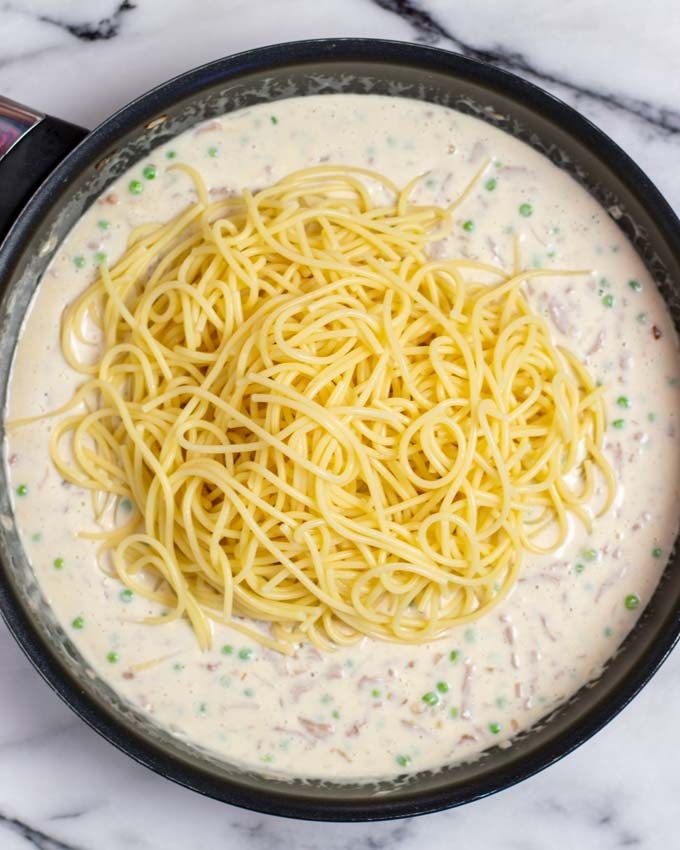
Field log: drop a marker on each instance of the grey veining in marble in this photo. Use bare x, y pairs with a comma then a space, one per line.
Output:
64, 788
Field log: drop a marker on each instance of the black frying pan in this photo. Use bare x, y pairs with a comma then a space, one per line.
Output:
80, 165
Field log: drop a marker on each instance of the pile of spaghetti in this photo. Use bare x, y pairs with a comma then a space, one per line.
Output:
322, 428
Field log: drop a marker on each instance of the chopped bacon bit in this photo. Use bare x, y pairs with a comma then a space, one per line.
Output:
209, 128
557, 315
334, 672
299, 689
221, 192
546, 628
287, 731
318, 730
656, 332
128, 674
464, 738
597, 344
415, 727
437, 250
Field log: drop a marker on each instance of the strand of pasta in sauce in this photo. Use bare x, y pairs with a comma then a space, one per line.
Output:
323, 428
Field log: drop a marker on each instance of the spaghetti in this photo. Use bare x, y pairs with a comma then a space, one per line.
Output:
324, 428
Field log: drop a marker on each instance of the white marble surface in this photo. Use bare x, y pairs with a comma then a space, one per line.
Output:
64, 788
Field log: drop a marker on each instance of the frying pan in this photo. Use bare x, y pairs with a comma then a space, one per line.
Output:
51, 171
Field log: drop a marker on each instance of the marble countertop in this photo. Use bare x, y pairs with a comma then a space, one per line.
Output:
64, 788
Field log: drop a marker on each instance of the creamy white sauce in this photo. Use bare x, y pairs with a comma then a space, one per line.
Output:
359, 712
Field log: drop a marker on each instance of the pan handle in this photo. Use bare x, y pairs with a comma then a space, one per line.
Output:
31, 146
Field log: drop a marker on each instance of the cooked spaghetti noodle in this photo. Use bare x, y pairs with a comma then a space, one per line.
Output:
323, 428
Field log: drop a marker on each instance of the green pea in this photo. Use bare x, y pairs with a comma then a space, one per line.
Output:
103, 224
227, 649
443, 687
171, 154
642, 318
113, 657
454, 655
248, 692
454, 711
245, 654
79, 262
101, 258
631, 601
635, 285
274, 119
469, 225
623, 401
590, 554
58, 563
335, 714
579, 568
608, 631
135, 187
375, 693
608, 300
619, 423
494, 728
213, 152
491, 184
178, 667
36, 537
403, 761
656, 552
149, 171
526, 210
78, 623
203, 708
126, 595
22, 490
430, 698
